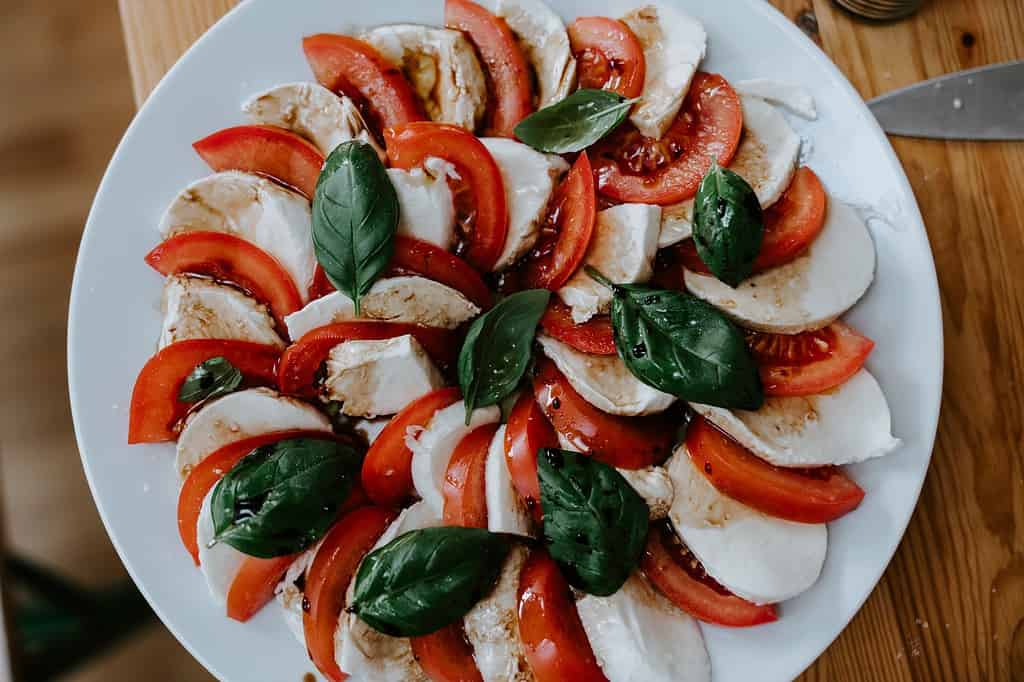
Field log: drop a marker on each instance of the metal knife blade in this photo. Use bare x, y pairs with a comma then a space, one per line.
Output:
979, 104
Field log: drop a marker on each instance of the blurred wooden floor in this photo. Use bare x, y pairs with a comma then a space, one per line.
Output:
67, 101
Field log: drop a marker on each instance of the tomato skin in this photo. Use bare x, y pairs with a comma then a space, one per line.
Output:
806, 496
465, 496
301, 360
155, 408
335, 564
386, 475
709, 124
567, 230
229, 258
695, 595
266, 150
553, 638
624, 442
410, 144
446, 656
354, 67
608, 55
508, 73
527, 432
841, 352
596, 336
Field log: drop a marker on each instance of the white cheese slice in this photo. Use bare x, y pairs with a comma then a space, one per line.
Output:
375, 377
240, 415
370, 428
655, 486
604, 381
220, 563
198, 308
637, 635
808, 293
674, 44
794, 97
757, 557
506, 512
252, 208
492, 627
411, 299
545, 43
622, 248
426, 205
288, 595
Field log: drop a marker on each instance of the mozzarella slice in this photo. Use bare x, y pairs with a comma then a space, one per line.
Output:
197, 308
848, 424
370, 428
604, 381
432, 447
289, 595
655, 486
793, 97
411, 299
766, 159
674, 44
760, 558
442, 68
377, 377
545, 44
506, 512
312, 111
241, 415
529, 178
426, 205
492, 627
638, 636
807, 293
221, 562
255, 209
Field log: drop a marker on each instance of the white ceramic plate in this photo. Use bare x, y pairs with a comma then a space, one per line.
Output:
114, 319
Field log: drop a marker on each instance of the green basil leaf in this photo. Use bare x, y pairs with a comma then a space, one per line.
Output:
211, 378
426, 579
595, 524
355, 215
728, 226
681, 345
575, 123
498, 347
281, 498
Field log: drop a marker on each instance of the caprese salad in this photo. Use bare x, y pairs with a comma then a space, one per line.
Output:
510, 350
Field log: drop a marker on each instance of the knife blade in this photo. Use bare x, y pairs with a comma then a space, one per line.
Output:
986, 103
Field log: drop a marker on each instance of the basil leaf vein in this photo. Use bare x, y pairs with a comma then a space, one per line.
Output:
575, 123
210, 379
728, 225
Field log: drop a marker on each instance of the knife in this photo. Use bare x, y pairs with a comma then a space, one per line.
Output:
978, 104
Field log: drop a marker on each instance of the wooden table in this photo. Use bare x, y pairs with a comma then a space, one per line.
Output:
951, 605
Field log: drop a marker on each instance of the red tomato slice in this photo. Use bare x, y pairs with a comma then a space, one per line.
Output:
624, 442
508, 74
348, 65
155, 408
231, 259
633, 168
335, 563
386, 476
267, 150
608, 56
811, 362
446, 656
678, 575
596, 336
803, 495
527, 432
409, 145
301, 360
567, 230
554, 641
465, 495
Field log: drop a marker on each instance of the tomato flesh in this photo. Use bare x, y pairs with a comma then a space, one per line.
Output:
155, 408
811, 362
567, 229
632, 168
553, 638
355, 68
608, 56
410, 145
465, 495
816, 495
507, 71
679, 575
624, 442
595, 336
266, 150
446, 656
527, 432
386, 475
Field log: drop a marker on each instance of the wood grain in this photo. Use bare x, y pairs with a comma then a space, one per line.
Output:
951, 605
